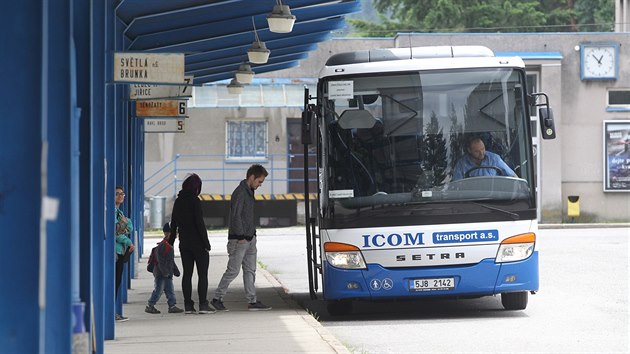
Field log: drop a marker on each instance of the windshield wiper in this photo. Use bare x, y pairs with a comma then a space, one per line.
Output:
514, 216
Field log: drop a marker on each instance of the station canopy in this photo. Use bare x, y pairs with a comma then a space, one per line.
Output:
215, 35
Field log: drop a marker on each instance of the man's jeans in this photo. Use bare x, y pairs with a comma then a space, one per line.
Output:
240, 254
163, 284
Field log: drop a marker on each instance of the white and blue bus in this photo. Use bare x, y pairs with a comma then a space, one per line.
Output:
401, 211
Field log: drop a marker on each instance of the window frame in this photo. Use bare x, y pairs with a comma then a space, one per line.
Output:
617, 107
246, 158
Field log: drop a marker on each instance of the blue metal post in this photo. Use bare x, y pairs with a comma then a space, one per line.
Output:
80, 172
92, 260
121, 161
20, 179
175, 176
131, 183
120, 167
59, 114
108, 251
138, 183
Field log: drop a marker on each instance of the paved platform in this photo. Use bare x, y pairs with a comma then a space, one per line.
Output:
287, 328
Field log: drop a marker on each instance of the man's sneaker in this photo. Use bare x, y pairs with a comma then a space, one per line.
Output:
218, 304
205, 308
175, 309
151, 309
189, 309
120, 318
258, 306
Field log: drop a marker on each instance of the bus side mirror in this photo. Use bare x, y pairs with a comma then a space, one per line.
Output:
547, 126
307, 120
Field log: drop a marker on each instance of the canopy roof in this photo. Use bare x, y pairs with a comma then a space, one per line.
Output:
215, 34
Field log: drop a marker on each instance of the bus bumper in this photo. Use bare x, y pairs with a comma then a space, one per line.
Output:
484, 278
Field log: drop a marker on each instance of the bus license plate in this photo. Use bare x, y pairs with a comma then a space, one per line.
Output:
432, 284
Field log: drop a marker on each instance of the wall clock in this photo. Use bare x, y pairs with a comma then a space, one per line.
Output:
599, 61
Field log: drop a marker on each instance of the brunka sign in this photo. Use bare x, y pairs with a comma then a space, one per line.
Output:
149, 67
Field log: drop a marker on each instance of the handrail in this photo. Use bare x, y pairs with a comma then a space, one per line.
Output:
229, 173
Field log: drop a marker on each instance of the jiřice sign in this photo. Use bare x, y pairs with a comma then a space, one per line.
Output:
149, 67
151, 91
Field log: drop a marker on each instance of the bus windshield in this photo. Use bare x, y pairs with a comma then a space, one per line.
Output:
401, 147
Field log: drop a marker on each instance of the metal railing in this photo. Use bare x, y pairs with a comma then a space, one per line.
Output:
220, 175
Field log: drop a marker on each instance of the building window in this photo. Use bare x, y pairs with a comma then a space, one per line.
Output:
619, 98
246, 140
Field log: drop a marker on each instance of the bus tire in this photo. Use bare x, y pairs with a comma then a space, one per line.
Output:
514, 301
339, 307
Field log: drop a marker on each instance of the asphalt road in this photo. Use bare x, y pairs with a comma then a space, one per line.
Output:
582, 305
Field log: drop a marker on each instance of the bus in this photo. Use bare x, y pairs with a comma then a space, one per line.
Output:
399, 213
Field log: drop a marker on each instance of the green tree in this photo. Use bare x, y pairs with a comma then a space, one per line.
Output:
434, 146
595, 15
488, 16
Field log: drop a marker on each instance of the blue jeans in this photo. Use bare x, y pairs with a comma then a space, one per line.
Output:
163, 284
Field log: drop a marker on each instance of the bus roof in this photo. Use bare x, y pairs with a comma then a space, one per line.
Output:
415, 58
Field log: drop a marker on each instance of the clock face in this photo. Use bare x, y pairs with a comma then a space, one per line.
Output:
599, 62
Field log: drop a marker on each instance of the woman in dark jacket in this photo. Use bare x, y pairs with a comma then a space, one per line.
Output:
187, 221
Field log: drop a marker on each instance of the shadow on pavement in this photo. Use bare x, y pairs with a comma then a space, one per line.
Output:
427, 309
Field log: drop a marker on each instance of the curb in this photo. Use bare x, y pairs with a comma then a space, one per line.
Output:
583, 226
306, 317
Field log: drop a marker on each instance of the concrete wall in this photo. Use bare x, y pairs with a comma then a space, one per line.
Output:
572, 164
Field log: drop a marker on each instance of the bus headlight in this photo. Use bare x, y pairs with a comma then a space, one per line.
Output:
345, 256
516, 248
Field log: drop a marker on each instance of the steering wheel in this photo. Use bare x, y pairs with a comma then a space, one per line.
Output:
498, 170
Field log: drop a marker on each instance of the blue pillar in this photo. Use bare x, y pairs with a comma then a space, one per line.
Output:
122, 138
122, 171
108, 251
92, 283
135, 179
79, 139
59, 128
83, 208
21, 27
138, 151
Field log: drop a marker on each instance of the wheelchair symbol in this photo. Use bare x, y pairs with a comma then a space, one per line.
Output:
388, 284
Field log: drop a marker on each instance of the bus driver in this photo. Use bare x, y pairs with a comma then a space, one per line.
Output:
479, 162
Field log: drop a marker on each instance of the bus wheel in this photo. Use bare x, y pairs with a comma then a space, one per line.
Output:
339, 308
514, 301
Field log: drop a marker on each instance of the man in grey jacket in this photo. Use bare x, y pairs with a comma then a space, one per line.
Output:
241, 245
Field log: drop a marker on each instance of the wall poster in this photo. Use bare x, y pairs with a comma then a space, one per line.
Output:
617, 156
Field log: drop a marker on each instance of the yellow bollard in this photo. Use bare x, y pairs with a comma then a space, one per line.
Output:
573, 207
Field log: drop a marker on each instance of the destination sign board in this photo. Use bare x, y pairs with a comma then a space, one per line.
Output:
161, 108
149, 67
164, 125
152, 91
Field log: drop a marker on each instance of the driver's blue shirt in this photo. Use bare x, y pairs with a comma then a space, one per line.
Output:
491, 159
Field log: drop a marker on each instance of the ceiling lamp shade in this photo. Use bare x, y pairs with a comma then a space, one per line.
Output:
235, 87
244, 74
258, 53
280, 19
